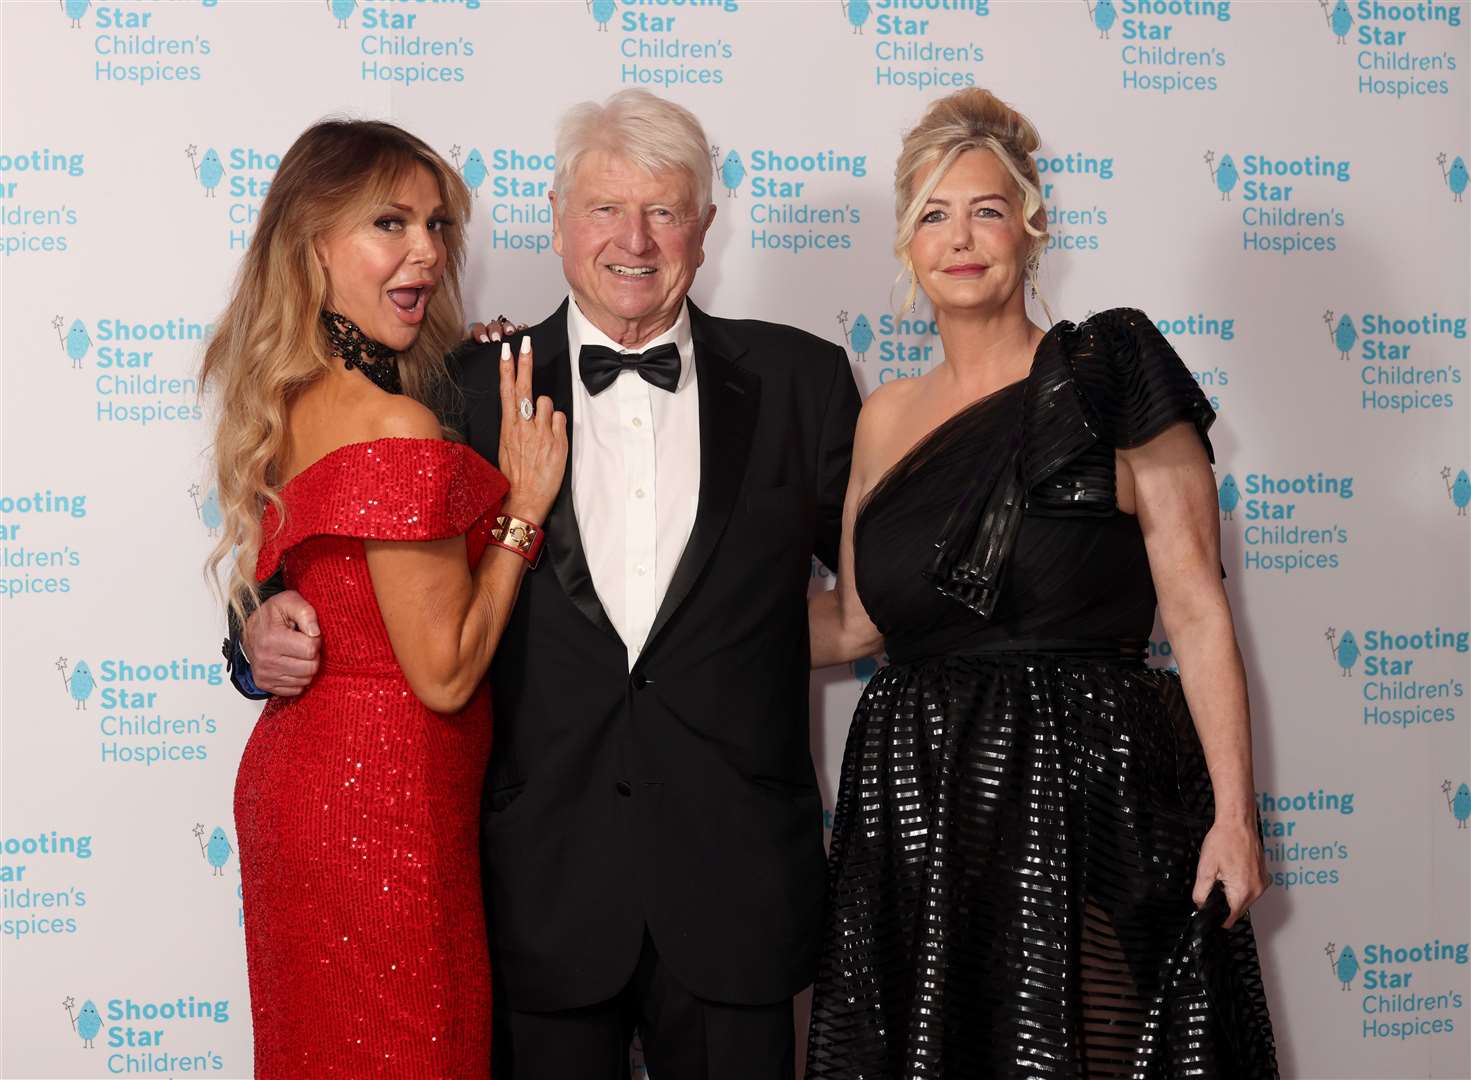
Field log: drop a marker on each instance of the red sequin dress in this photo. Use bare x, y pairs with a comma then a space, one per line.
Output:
358, 808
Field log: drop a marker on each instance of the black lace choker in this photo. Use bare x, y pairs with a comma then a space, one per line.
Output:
356, 350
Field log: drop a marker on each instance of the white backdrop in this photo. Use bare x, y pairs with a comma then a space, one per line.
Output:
1280, 184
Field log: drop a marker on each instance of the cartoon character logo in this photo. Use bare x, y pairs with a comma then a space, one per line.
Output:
473, 170
1224, 175
341, 11
77, 341
86, 1023
79, 684
217, 851
209, 510
1345, 964
860, 336
1458, 804
208, 172
1229, 496
1339, 18
1345, 650
732, 171
602, 13
857, 13
74, 10
1459, 490
1455, 176
1102, 15
1341, 333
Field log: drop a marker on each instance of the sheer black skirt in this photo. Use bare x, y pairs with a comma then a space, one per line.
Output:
1014, 848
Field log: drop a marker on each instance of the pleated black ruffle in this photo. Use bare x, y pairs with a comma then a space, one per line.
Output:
1112, 383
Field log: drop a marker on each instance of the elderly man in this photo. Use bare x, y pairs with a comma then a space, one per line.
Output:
652, 843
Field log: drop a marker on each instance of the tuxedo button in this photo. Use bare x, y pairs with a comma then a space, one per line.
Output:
640, 681
624, 788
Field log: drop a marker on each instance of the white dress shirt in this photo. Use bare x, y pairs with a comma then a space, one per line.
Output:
635, 477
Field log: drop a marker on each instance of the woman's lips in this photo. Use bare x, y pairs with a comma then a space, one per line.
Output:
965, 270
409, 303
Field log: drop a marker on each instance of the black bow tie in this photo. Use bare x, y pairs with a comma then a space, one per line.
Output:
600, 366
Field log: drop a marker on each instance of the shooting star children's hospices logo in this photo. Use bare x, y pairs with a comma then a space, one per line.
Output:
244, 175
207, 509
663, 48
139, 48
1396, 54
1291, 522
137, 709
1454, 175
797, 203
915, 44
515, 183
215, 851
1457, 801
30, 183
1402, 991
1405, 364
406, 48
906, 347
1278, 216
36, 564
151, 1036
1457, 490
1303, 835
1160, 42
1396, 677
43, 890
132, 384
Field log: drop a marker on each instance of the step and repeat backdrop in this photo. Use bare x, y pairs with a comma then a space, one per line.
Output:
1281, 185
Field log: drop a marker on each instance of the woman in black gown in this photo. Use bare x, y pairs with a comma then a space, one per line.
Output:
1043, 850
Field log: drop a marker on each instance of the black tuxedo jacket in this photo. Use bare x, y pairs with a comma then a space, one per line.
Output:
680, 796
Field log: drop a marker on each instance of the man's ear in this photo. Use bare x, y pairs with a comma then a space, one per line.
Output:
556, 223
704, 230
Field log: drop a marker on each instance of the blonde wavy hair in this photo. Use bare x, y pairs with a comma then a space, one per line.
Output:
970, 119
270, 344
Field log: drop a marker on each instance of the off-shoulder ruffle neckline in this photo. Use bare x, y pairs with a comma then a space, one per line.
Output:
359, 445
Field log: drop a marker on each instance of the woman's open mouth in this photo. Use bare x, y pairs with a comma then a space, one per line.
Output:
409, 301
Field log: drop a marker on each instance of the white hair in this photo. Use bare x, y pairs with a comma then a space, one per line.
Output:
647, 130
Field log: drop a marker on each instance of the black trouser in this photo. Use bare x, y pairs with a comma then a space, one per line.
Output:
684, 1038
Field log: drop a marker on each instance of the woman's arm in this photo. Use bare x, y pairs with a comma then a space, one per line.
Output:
444, 622
839, 627
1175, 493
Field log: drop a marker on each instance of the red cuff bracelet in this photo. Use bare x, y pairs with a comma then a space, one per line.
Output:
515, 534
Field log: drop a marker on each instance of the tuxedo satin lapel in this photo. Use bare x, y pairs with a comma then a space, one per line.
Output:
730, 398
552, 376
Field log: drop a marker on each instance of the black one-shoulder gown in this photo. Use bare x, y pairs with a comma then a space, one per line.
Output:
1022, 800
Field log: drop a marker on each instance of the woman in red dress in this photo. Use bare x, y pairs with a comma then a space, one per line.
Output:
357, 802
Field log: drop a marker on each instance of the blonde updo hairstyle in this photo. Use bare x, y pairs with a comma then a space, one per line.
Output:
970, 119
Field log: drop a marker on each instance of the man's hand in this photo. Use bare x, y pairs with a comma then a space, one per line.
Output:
282, 643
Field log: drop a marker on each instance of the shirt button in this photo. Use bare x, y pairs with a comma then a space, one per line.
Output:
624, 788
640, 570
639, 494
637, 422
